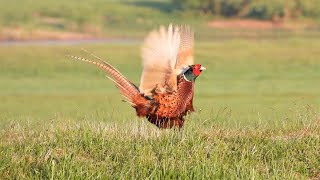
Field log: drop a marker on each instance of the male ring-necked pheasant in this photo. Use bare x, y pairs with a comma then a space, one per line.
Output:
166, 90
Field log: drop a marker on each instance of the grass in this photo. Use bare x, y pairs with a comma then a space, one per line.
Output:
94, 150
257, 115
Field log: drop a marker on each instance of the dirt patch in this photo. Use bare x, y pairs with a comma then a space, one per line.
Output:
256, 24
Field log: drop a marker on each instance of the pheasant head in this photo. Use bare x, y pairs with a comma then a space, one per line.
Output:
193, 72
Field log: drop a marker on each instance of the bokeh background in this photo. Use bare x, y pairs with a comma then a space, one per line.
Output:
35, 19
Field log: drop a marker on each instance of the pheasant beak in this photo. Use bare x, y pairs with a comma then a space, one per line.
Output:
202, 68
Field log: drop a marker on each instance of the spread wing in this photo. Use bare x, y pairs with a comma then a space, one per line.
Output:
185, 54
159, 54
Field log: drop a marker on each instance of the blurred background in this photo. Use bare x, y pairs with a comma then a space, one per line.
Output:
101, 19
262, 58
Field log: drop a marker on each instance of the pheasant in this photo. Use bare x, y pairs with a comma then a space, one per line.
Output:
165, 94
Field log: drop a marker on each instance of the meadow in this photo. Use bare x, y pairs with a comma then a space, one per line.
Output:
257, 114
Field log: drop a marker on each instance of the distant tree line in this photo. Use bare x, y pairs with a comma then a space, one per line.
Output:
261, 9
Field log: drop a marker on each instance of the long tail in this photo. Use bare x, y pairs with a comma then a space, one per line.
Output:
126, 88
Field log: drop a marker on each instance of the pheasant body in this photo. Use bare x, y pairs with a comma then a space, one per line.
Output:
166, 91
168, 109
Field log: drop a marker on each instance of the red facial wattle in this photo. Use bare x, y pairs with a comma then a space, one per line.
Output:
196, 72
196, 69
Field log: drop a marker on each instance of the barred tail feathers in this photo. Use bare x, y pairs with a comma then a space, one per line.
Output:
126, 88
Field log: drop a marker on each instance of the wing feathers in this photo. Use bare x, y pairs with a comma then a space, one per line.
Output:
185, 55
165, 54
159, 54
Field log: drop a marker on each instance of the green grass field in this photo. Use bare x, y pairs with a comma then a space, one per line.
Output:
257, 115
